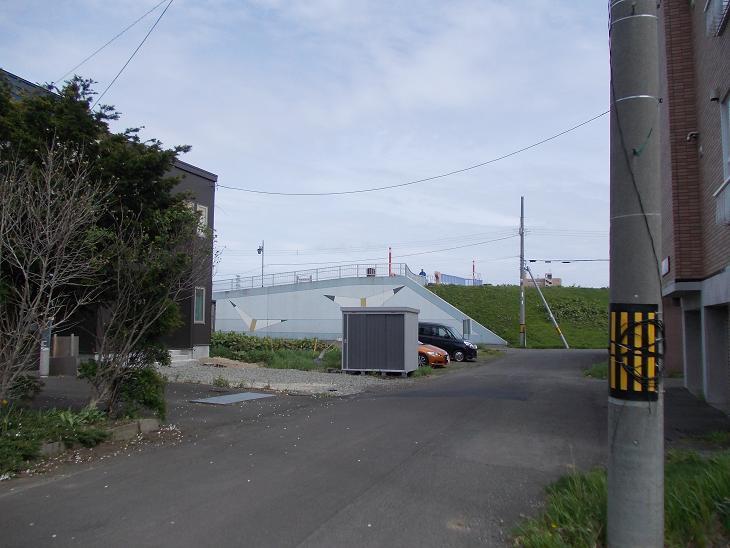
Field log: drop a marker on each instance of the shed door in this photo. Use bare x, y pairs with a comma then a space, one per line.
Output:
375, 341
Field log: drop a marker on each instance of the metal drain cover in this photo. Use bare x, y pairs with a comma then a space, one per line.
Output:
233, 398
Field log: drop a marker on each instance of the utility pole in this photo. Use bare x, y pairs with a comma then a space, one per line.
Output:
523, 331
635, 402
261, 252
549, 311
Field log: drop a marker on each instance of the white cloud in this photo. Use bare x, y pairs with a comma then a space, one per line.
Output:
330, 95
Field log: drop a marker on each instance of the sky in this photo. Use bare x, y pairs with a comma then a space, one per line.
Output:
335, 95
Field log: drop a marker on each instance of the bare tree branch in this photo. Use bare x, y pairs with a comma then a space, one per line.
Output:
150, 277
48, 270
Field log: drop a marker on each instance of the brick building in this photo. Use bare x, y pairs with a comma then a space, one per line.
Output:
695, 118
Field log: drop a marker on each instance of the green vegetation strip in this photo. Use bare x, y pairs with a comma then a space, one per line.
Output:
276, 353
581, 311
696, 499
23, 431
597, 371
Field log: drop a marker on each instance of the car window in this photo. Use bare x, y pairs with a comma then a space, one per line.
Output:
451, 334
443, 332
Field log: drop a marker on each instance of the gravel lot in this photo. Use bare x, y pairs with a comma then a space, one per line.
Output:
282, 380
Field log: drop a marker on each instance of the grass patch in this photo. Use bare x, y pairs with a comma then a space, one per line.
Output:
332, 359
718, 438
696, 500
423, 371
597, 371
221, 382
23, 431
581, 311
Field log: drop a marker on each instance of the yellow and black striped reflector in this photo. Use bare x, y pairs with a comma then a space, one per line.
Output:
632, 365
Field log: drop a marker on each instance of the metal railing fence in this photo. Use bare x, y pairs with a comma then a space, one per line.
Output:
317, 274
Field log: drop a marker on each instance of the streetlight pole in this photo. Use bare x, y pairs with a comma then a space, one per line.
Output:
261, 252
635, 402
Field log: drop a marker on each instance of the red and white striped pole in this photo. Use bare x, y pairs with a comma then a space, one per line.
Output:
390, 261
473, 272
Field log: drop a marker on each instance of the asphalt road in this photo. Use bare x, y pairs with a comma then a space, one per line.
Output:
449, 461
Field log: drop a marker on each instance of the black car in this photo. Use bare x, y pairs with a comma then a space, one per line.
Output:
444, 337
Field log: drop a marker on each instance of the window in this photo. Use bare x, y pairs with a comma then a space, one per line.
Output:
203, 220
199, 305
722, 194
716, 16
722, 204
725, 127
444, 333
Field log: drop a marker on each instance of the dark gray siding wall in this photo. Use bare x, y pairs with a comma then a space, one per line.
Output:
200, 185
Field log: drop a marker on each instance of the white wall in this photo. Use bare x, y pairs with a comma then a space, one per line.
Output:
305, 310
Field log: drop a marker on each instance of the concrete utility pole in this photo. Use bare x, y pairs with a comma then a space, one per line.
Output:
523, 331
635, 403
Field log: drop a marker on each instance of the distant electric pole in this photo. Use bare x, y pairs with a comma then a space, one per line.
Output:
261, 252
523, 332
635, 403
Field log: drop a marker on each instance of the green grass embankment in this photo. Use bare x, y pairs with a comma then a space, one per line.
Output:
581, 311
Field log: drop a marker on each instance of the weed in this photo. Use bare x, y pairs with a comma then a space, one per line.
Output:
597, 371
696, 506
423, 371
221, 382
718, 438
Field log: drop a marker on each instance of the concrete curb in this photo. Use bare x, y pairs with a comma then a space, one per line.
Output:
128, 431
121, 432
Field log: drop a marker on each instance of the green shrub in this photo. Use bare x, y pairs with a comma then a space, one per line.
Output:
275, 353
22, 431
144, 388
225, 342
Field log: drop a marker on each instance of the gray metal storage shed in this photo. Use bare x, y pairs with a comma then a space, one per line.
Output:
381, 339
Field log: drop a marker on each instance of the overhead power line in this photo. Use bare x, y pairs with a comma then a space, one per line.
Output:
395, 256
124, 30
425, 179
133, 54
367, 248
567, 260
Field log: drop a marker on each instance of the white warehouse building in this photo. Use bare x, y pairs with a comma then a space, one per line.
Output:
306, 304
